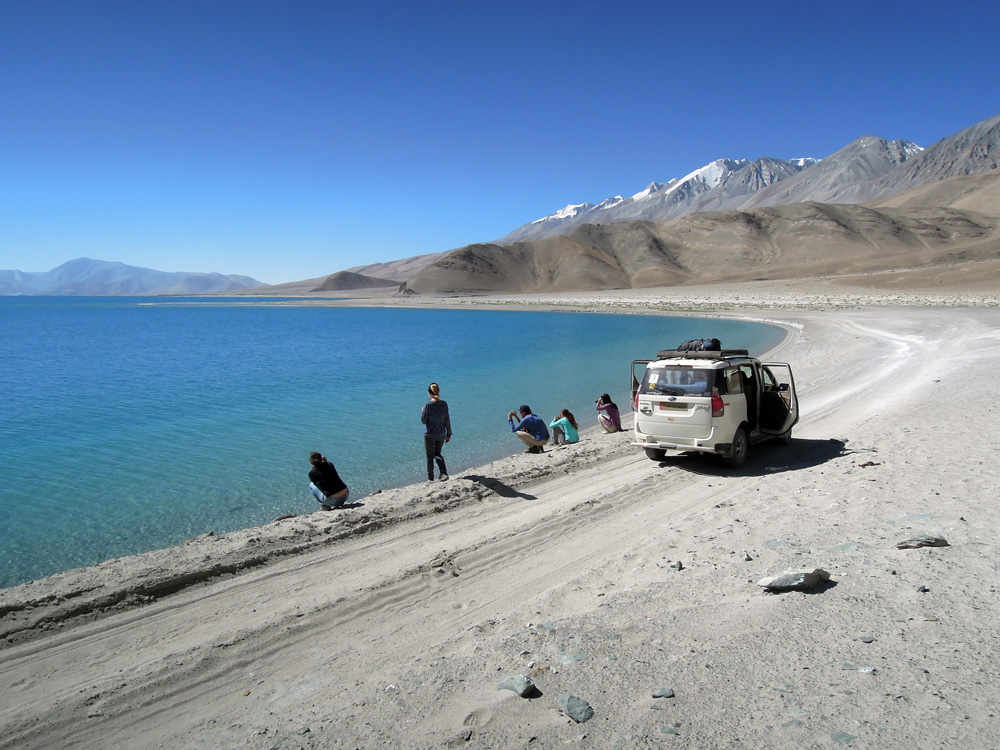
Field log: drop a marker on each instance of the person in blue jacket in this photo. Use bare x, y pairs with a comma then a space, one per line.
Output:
531, 429
437, 431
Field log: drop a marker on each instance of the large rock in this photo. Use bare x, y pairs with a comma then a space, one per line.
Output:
795, 580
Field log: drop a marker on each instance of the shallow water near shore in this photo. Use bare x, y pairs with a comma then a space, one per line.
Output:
135, 423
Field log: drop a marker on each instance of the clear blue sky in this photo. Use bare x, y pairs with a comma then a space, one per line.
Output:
291, 139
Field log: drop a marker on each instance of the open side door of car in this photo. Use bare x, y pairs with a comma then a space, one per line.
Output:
779, 404
637, 379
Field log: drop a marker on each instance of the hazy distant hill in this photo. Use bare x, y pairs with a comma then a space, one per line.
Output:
84, 277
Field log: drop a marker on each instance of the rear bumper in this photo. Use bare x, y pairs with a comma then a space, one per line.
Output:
705, 445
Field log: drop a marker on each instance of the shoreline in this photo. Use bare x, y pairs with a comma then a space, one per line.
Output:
279, 504
432, 594
65, 585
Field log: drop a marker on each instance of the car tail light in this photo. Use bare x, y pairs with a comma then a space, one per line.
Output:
718, 405
635, 406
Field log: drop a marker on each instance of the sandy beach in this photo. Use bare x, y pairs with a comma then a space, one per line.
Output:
591, 570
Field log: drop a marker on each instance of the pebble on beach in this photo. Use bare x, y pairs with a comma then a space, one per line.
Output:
520, 684
576, 708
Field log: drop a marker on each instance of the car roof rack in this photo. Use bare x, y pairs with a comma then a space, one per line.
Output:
675, 354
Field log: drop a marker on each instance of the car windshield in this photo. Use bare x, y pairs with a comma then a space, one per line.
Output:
676, 380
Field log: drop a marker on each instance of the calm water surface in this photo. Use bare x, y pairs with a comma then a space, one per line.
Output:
130, 424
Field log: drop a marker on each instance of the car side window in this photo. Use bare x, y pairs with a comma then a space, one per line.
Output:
733, 382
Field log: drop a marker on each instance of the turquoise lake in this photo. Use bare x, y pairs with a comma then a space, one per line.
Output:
131, 424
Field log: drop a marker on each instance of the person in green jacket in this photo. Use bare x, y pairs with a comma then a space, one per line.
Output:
564, 428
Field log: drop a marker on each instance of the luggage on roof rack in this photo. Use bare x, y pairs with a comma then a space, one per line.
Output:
700, 345
678, 354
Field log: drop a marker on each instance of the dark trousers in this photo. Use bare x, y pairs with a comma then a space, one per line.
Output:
433, 448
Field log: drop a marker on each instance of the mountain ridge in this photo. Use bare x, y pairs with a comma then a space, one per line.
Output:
90, 277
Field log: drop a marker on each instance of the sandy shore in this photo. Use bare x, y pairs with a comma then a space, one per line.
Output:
394, 623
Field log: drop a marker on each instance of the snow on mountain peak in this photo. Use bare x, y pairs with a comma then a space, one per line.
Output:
609, 203
571, 210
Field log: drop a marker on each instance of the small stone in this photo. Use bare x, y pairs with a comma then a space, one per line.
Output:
923, 590
576, 708
520, 684
794, 580
923, 541
867, 639
746, 556
663, 693
677, 566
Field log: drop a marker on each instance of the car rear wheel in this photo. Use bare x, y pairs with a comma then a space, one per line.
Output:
737, 455
656, 454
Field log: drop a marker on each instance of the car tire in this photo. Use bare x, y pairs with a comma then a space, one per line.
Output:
656, 454
737, 455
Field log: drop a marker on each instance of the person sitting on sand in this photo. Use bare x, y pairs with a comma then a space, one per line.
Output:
531, 429
609, 417
564, 428
325, 483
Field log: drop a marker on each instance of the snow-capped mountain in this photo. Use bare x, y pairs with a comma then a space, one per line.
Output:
724, 183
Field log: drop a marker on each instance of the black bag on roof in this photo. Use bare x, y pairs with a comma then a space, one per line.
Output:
701, 345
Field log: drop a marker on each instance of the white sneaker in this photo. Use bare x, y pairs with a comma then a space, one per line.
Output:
444, 478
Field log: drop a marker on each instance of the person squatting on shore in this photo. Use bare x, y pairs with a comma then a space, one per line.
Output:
531, 429
325, 483
437, 431
609, 417
564, 428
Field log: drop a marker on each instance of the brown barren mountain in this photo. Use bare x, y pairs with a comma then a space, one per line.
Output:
343, 281
794, 241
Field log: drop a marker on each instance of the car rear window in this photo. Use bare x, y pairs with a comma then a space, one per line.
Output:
677, 380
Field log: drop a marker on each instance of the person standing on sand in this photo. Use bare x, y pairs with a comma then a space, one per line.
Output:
531, 429
609, 417
564, 428
325, 483
437, 431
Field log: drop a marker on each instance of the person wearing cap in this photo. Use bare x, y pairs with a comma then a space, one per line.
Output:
531, 429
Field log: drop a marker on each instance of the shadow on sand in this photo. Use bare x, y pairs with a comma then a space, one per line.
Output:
766, 458
504, 490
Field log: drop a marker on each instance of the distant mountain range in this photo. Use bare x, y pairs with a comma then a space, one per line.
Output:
769, 218
85, 277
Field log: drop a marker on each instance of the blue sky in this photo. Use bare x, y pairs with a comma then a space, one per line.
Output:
287, 140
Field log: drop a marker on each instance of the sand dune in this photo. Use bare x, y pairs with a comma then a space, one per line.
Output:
397, 624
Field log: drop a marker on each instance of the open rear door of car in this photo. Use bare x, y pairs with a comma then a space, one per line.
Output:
779, 408
637, 378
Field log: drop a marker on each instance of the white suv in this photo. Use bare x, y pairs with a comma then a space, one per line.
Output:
716, 402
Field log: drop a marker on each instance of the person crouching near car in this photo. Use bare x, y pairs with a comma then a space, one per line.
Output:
531, 429
564, 428
609, 417
325, 483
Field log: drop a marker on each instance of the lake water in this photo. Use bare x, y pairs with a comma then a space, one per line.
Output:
130, 424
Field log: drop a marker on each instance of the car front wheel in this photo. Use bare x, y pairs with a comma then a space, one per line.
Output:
737, 455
